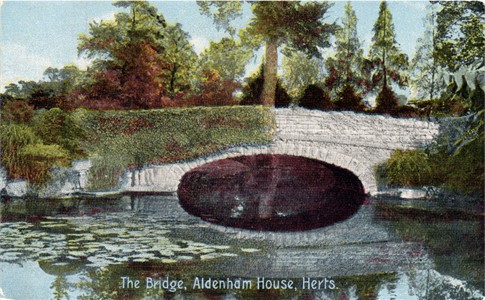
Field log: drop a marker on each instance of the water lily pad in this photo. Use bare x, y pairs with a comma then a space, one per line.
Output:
250, 250
184, 257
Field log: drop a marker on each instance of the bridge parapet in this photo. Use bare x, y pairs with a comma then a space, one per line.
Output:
356, 129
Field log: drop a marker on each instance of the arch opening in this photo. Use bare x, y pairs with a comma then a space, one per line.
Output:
273, 192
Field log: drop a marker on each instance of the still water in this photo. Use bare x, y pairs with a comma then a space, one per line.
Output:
147, 247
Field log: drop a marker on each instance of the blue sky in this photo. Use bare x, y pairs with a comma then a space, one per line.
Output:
35, 35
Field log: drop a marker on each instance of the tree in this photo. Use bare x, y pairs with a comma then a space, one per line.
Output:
222, 12
126, 50
179, 59
423, 81
297, 25
388, 61
22, 89
314, 97
254, 88
228, 57
299, 71
460, 34
63, 81
345, 68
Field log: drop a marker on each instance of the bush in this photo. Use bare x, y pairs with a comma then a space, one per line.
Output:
314, 97
40, 159
57, 127
254, 88
463, 171
466, 168
407, 111
408, 168
386, 101
13, 139
18, 111
24, 155
214, 92
348, 99
440, 107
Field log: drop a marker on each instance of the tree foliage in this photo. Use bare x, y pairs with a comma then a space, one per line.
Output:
22, 89
299, 71
346, 66
126, 52
388, 62
460, 37
222, 12
179, 60
298, 25
227, 56
424, 65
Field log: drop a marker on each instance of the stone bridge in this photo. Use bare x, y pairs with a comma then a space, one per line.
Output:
356, 142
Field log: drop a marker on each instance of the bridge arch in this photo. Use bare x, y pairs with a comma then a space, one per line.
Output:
167, 177
294, 148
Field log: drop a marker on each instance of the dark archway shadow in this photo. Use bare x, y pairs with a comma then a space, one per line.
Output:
271, 192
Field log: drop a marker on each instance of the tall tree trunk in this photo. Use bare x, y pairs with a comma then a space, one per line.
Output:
270, 77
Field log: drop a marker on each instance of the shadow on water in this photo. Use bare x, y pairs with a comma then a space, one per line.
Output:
84, 247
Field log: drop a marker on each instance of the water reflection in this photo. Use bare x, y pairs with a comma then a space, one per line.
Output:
81, 248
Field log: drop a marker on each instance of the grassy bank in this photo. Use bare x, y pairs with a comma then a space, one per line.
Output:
118, 140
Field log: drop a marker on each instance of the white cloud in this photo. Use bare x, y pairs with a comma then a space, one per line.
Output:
199, 44
105, 17
17, 62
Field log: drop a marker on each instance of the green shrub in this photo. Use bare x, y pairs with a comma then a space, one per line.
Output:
58, 127
462, 171
408, 168
13, 138
254, 88
466, 168
40, 159
24, 156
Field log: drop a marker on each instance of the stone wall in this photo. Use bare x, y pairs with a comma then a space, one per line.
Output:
356, 142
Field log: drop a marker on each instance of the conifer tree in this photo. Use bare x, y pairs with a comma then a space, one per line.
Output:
389, 62
423, 79
345, 68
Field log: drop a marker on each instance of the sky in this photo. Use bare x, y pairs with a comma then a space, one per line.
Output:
35, 35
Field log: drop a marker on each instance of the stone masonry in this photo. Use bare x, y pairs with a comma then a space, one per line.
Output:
353, 141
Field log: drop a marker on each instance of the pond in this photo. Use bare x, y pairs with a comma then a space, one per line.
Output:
141, 246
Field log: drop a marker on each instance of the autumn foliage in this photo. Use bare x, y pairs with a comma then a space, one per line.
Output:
133, 84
